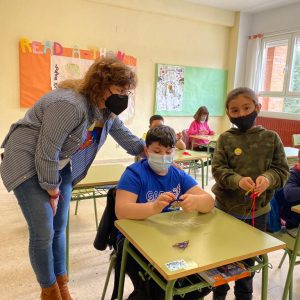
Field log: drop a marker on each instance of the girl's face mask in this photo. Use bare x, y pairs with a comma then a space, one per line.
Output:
246, 122
160, 163
203, 118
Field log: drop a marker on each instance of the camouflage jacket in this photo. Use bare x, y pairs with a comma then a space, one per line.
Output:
247, 154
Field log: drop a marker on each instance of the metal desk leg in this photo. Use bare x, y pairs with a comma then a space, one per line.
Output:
202, 173
264, 279
95, 209
169, 290
122, 271
289, 278
207, 168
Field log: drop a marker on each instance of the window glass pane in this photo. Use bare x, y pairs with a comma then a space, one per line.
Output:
292, 105
276, 104
275, 54
295, 75
272, 104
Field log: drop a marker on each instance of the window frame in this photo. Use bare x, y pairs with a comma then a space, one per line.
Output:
285, 93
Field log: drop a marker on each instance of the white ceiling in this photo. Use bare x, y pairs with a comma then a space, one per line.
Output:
251, 6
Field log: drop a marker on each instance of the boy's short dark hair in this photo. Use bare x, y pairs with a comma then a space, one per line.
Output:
163, 134
155, 117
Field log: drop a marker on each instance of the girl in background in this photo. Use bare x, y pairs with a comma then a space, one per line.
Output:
200, 127
248, 159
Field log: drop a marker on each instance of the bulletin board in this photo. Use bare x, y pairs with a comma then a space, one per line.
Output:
44, 64
181, 90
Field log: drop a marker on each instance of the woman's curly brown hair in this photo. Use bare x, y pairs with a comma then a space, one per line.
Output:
101, 74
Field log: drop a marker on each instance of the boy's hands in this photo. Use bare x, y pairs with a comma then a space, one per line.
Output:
262, 183
162, 201
188, 202
246, 183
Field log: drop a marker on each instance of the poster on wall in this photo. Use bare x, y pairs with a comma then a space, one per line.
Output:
44, 65
169, 89
181, 90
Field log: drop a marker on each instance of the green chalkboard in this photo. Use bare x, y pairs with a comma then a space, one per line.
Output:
180, 90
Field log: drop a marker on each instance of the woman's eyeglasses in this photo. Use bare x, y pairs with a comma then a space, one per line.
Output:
122, 92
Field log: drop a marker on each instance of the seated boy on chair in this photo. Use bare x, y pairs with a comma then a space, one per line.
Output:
287, 197
146, 188
158, 120
291, 192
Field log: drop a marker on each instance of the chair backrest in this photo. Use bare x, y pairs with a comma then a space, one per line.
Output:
186, 138
296, 140
107, 232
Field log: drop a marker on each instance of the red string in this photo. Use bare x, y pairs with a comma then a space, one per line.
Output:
253, 198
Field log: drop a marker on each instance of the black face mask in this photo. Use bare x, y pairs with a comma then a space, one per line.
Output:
117, 103
245, 122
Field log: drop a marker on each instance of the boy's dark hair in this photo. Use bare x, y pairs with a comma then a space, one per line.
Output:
202, 110
156, 117
163, 134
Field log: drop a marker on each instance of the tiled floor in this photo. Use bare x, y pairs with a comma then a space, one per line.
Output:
88, 266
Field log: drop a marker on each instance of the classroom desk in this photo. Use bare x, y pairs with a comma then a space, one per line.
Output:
291, 155
215, 239
210, 138
95, 185
288, 287
191, 157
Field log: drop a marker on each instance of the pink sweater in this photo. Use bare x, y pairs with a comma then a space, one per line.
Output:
200, 128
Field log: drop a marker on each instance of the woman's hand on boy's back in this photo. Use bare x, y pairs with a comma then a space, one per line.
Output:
162, 201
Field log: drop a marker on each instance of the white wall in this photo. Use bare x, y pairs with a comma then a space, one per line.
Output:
275, 20
279, 19
154, 31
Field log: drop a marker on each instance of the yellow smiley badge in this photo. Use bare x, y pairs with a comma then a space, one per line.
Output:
238, 151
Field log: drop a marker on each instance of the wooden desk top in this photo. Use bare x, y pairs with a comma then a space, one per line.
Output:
210, 138
188, 155
291, 152
101, 175
296, 209
215, 239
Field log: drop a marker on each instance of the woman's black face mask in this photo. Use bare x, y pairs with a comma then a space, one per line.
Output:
116, 103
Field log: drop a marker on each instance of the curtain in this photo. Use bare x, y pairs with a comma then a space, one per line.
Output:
252, 61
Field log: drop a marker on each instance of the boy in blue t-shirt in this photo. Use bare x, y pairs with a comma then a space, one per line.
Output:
148, 187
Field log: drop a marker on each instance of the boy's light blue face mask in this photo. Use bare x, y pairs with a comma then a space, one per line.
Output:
160, 163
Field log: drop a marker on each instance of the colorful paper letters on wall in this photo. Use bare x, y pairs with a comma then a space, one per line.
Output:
44, 65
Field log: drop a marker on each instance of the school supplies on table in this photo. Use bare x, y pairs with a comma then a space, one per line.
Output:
225, 274
181, 245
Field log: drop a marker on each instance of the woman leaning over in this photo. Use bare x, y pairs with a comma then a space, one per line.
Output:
50, 150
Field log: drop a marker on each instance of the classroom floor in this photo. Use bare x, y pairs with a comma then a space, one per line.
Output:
88, 266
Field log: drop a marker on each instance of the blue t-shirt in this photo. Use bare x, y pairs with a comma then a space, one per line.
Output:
141, 180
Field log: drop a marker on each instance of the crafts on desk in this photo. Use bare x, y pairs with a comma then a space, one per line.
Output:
180, 264
181, 245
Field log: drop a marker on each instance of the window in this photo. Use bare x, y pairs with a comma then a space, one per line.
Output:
279, 78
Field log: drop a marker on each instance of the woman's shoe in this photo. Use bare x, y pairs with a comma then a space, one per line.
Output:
62, 281
51, 293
